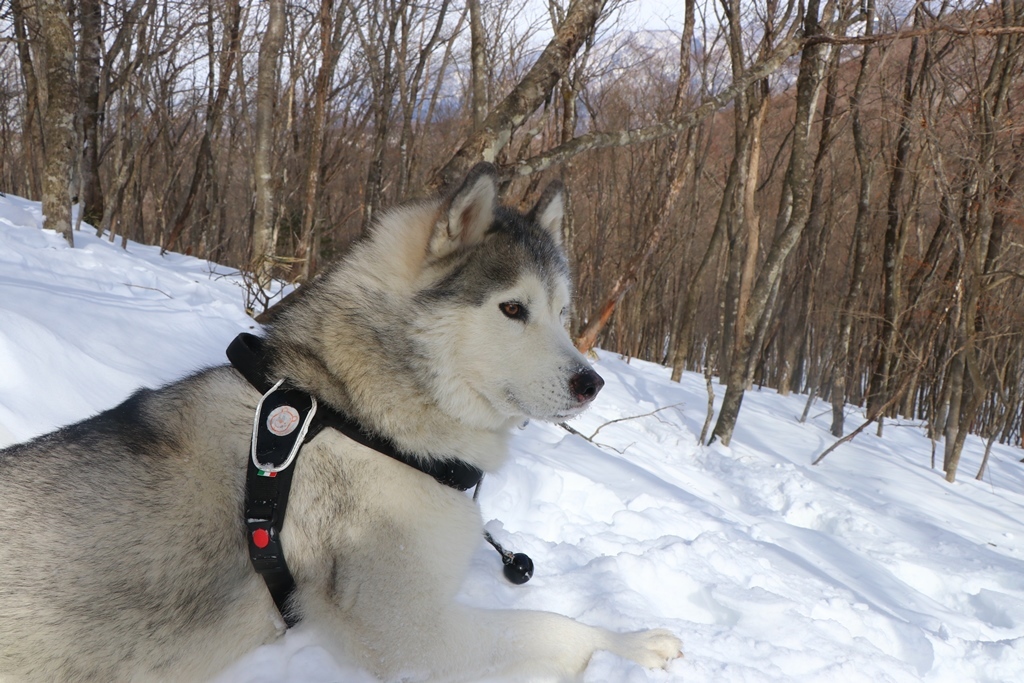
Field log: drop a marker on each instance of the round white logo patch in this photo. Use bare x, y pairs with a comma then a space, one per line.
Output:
283, 420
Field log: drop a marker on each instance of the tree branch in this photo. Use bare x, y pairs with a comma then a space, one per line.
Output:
960, 31
601, 140
488, 139
786, 49
566, 427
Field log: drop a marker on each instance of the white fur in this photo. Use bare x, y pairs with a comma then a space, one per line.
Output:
536, 358
467, 216
550, 211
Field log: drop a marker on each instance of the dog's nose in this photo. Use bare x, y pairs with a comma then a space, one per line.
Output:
585, 385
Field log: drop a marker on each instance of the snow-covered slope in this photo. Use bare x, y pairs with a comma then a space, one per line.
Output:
868, 567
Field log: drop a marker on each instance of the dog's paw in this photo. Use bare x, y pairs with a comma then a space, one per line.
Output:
653, 649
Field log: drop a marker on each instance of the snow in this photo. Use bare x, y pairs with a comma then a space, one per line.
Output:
868, 567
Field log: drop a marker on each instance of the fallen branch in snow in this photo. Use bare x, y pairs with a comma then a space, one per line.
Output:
569, 429
590, 438
587, 438
632, 417
152, 289
878, 412
848, 437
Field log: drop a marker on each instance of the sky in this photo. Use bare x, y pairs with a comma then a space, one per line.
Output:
655, 14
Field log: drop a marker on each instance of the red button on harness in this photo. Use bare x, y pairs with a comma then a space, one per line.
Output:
260, 538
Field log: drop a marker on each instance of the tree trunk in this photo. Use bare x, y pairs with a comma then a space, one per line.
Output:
795, 354
746, 126
91, 197
478, 64
24, 26
126, 163
791, 219
751, 222
409, 92
59, 115
263, 237
895, 239
309, 244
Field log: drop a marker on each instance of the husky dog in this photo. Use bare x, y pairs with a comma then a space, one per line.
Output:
123, 548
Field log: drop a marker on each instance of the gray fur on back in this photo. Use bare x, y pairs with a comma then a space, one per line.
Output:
123, 532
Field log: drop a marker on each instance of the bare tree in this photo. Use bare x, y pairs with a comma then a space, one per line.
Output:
978, 250
676, 164
24, 25
790, 221
223, 66
478, 68
895, 233
60, 103
858, 259
91, 198
263, 235
333, 29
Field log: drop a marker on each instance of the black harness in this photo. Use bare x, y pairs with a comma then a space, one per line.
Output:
286, 418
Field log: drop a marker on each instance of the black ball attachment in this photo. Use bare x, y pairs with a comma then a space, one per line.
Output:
518, 568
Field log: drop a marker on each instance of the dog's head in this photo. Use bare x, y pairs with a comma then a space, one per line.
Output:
491, 305
457, 304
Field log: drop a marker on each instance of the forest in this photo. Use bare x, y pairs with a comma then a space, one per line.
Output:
824, 197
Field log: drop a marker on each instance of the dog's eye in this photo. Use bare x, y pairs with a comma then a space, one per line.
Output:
513, 310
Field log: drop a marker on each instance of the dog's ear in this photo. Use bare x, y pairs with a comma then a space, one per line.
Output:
550, 209
468, 213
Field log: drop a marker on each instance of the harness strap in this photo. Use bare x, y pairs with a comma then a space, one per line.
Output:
266, 499
286, 418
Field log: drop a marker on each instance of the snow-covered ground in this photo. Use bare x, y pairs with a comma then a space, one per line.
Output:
869, 567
